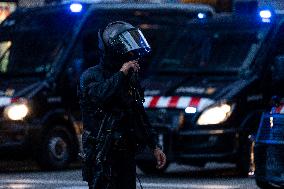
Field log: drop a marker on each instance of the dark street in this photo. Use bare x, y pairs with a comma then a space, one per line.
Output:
213, 176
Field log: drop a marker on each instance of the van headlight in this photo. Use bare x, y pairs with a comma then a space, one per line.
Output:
16, 111
215, 114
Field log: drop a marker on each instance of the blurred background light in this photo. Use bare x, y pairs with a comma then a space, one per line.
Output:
265, 14
201, 15
190, 110
76, 7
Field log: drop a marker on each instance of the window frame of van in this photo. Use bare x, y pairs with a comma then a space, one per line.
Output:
272, 53
34, 11
135, 17
228, 71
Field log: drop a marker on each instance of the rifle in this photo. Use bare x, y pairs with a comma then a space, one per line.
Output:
96, 156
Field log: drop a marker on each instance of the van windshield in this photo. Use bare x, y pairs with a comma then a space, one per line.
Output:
204, 49
33, 41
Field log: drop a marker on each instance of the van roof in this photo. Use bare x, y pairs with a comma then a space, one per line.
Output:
171, 7
157, 6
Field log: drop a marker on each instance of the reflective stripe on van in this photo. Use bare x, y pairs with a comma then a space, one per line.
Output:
178, 102
280, 109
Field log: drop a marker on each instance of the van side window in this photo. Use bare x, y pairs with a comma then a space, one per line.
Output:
76, 62
84, 54
278, 63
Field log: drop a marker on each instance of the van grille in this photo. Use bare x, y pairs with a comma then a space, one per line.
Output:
166, 117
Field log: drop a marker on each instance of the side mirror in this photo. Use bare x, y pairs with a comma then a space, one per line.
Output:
278, 69
275, 101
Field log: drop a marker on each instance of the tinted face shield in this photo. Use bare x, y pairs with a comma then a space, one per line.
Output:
130, 45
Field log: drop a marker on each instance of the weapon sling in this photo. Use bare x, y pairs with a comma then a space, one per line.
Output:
102, 148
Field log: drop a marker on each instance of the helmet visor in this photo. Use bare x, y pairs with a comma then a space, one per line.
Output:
130, 41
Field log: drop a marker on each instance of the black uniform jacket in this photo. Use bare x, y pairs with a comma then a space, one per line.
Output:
102, 87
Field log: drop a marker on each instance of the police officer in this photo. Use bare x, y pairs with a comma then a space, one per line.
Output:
110, 85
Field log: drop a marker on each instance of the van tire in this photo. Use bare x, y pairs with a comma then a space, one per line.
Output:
149, 167
55, 151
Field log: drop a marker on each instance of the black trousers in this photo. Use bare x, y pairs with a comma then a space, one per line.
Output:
122, 168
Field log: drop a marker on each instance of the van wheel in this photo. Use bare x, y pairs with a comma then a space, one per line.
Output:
56, 148
149, 167
245, 162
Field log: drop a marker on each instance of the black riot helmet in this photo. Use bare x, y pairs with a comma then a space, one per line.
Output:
125, 41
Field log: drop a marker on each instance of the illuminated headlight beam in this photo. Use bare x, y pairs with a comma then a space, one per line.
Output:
16, 111
215, 115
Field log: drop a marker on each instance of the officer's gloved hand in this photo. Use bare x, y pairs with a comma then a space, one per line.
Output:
160, 157
128, 66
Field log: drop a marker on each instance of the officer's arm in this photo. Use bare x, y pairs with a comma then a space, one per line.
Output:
153, 143
152, 138
102, 91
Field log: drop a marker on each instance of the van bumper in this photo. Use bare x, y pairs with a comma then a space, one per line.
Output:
200, 146
15, 136
205, 145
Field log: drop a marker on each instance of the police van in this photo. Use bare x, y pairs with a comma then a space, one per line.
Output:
212, 80
43, 52
269, 148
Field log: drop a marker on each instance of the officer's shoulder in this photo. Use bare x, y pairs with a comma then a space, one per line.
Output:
91, 72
